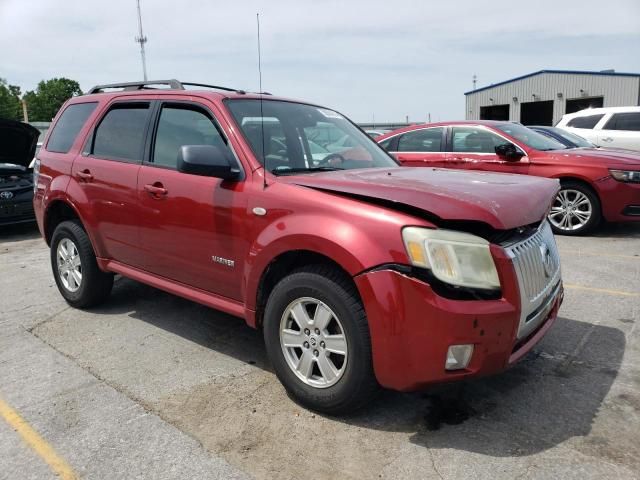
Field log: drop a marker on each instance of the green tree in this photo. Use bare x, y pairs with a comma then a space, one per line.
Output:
10, 106
46, 100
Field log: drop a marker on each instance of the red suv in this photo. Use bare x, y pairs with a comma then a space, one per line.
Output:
359, 272
595, 183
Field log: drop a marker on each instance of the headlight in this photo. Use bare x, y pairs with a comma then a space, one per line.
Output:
629, 176
453, 257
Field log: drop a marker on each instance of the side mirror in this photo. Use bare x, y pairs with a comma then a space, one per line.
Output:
207, 160
509, 152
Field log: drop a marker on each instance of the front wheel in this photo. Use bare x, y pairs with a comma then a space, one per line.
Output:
575, 211
318, 341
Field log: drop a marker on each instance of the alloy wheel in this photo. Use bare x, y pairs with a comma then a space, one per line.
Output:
571, 210
69, 265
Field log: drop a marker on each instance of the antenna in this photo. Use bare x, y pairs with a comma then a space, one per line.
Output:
475, 80
141, 39
264, 156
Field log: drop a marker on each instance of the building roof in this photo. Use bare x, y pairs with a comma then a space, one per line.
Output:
565, 72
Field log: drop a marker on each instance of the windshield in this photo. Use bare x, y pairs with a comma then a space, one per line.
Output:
575, 140
299, 137
530, 138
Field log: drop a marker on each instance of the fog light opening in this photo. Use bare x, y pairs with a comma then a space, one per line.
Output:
458, 357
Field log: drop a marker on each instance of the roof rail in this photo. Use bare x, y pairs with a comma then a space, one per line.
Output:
173, 85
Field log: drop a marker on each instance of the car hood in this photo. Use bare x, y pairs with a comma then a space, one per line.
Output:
502, 201
18, 141
604, 156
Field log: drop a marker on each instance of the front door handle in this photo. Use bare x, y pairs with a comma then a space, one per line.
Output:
607, 139
85, 175
156, 190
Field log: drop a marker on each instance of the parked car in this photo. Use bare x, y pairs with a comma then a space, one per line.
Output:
359, 272
565, 137
17, 149
616, 127
595, 183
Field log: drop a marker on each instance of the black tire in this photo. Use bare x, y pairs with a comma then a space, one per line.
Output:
95, 285
357, 385
596, 213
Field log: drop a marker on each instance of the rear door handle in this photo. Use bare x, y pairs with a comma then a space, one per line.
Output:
607, 139
85, 175
156, 190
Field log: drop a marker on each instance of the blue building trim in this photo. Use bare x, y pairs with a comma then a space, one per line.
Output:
567, 72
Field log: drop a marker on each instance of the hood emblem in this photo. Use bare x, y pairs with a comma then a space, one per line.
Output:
6, 195
547, 260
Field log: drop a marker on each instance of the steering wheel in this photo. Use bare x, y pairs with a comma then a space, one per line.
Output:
331, 160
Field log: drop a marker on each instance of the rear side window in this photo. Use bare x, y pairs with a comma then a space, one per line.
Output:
121, 133
427, 140
68, 126
624, 121
589, 121
180, 126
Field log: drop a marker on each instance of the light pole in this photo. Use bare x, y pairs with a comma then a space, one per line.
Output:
141, 39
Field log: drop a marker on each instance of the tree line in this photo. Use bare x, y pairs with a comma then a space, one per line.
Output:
41, 104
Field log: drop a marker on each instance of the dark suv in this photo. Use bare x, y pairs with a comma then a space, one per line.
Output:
360, 273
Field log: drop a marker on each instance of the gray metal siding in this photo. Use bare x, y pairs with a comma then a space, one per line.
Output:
617, 92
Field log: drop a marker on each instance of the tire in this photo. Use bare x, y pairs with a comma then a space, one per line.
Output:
324, 292
586, 214
94, 285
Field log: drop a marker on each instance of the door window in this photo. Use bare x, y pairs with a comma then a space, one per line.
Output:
624, 121
587, 122
183, 125
475, 140
121, 133
425, 140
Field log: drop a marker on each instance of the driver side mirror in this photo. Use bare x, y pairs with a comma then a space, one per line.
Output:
509, 152
208, 161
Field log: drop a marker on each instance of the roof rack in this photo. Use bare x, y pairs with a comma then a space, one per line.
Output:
173, 84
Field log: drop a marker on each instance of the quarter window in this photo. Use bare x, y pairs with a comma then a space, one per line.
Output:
425, 140
68, 126
475, 140
180, 125
587, 122
121, 133
624, 121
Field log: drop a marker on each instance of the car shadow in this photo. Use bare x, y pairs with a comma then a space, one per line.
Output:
618, 230
552, 395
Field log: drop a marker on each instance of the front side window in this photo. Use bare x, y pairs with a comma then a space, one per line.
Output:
588, 121
624, 121
182, 125
530, 137
68, 126
475, 140
120, 135
294, 137
425, 140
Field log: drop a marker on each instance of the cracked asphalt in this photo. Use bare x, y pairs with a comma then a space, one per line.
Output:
153, 386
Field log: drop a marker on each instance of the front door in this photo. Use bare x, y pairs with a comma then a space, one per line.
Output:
621, 131
191, 226
473, 147
420, 148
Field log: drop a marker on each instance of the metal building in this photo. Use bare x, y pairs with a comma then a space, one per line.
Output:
541, 98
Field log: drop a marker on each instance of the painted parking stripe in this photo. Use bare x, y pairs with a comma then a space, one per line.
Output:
58, 465
602, 290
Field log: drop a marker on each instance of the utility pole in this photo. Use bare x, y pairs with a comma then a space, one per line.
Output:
141, 39
475, 80
25, 113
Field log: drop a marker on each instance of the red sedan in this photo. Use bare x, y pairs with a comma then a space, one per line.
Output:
596, 183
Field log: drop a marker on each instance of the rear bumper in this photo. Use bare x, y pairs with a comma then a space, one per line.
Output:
620, 201
412, 328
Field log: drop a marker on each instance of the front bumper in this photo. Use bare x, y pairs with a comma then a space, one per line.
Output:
620, 201
17, 210
412, 327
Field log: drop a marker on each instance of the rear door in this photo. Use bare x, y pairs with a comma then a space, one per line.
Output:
107, 174
621, 130
420, 148
191, 226
473, 148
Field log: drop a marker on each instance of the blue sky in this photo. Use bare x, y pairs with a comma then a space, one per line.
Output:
368, 59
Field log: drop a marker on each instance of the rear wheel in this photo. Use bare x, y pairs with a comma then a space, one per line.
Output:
317, 339
575, 211
79, 279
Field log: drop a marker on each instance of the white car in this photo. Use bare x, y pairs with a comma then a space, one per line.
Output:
611, 127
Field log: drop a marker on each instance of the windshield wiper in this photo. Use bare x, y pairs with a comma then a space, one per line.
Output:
286, 171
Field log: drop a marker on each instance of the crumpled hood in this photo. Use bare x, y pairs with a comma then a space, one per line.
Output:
503, 201
602, 156
17, 142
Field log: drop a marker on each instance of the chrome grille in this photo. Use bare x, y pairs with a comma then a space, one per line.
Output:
537, 265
